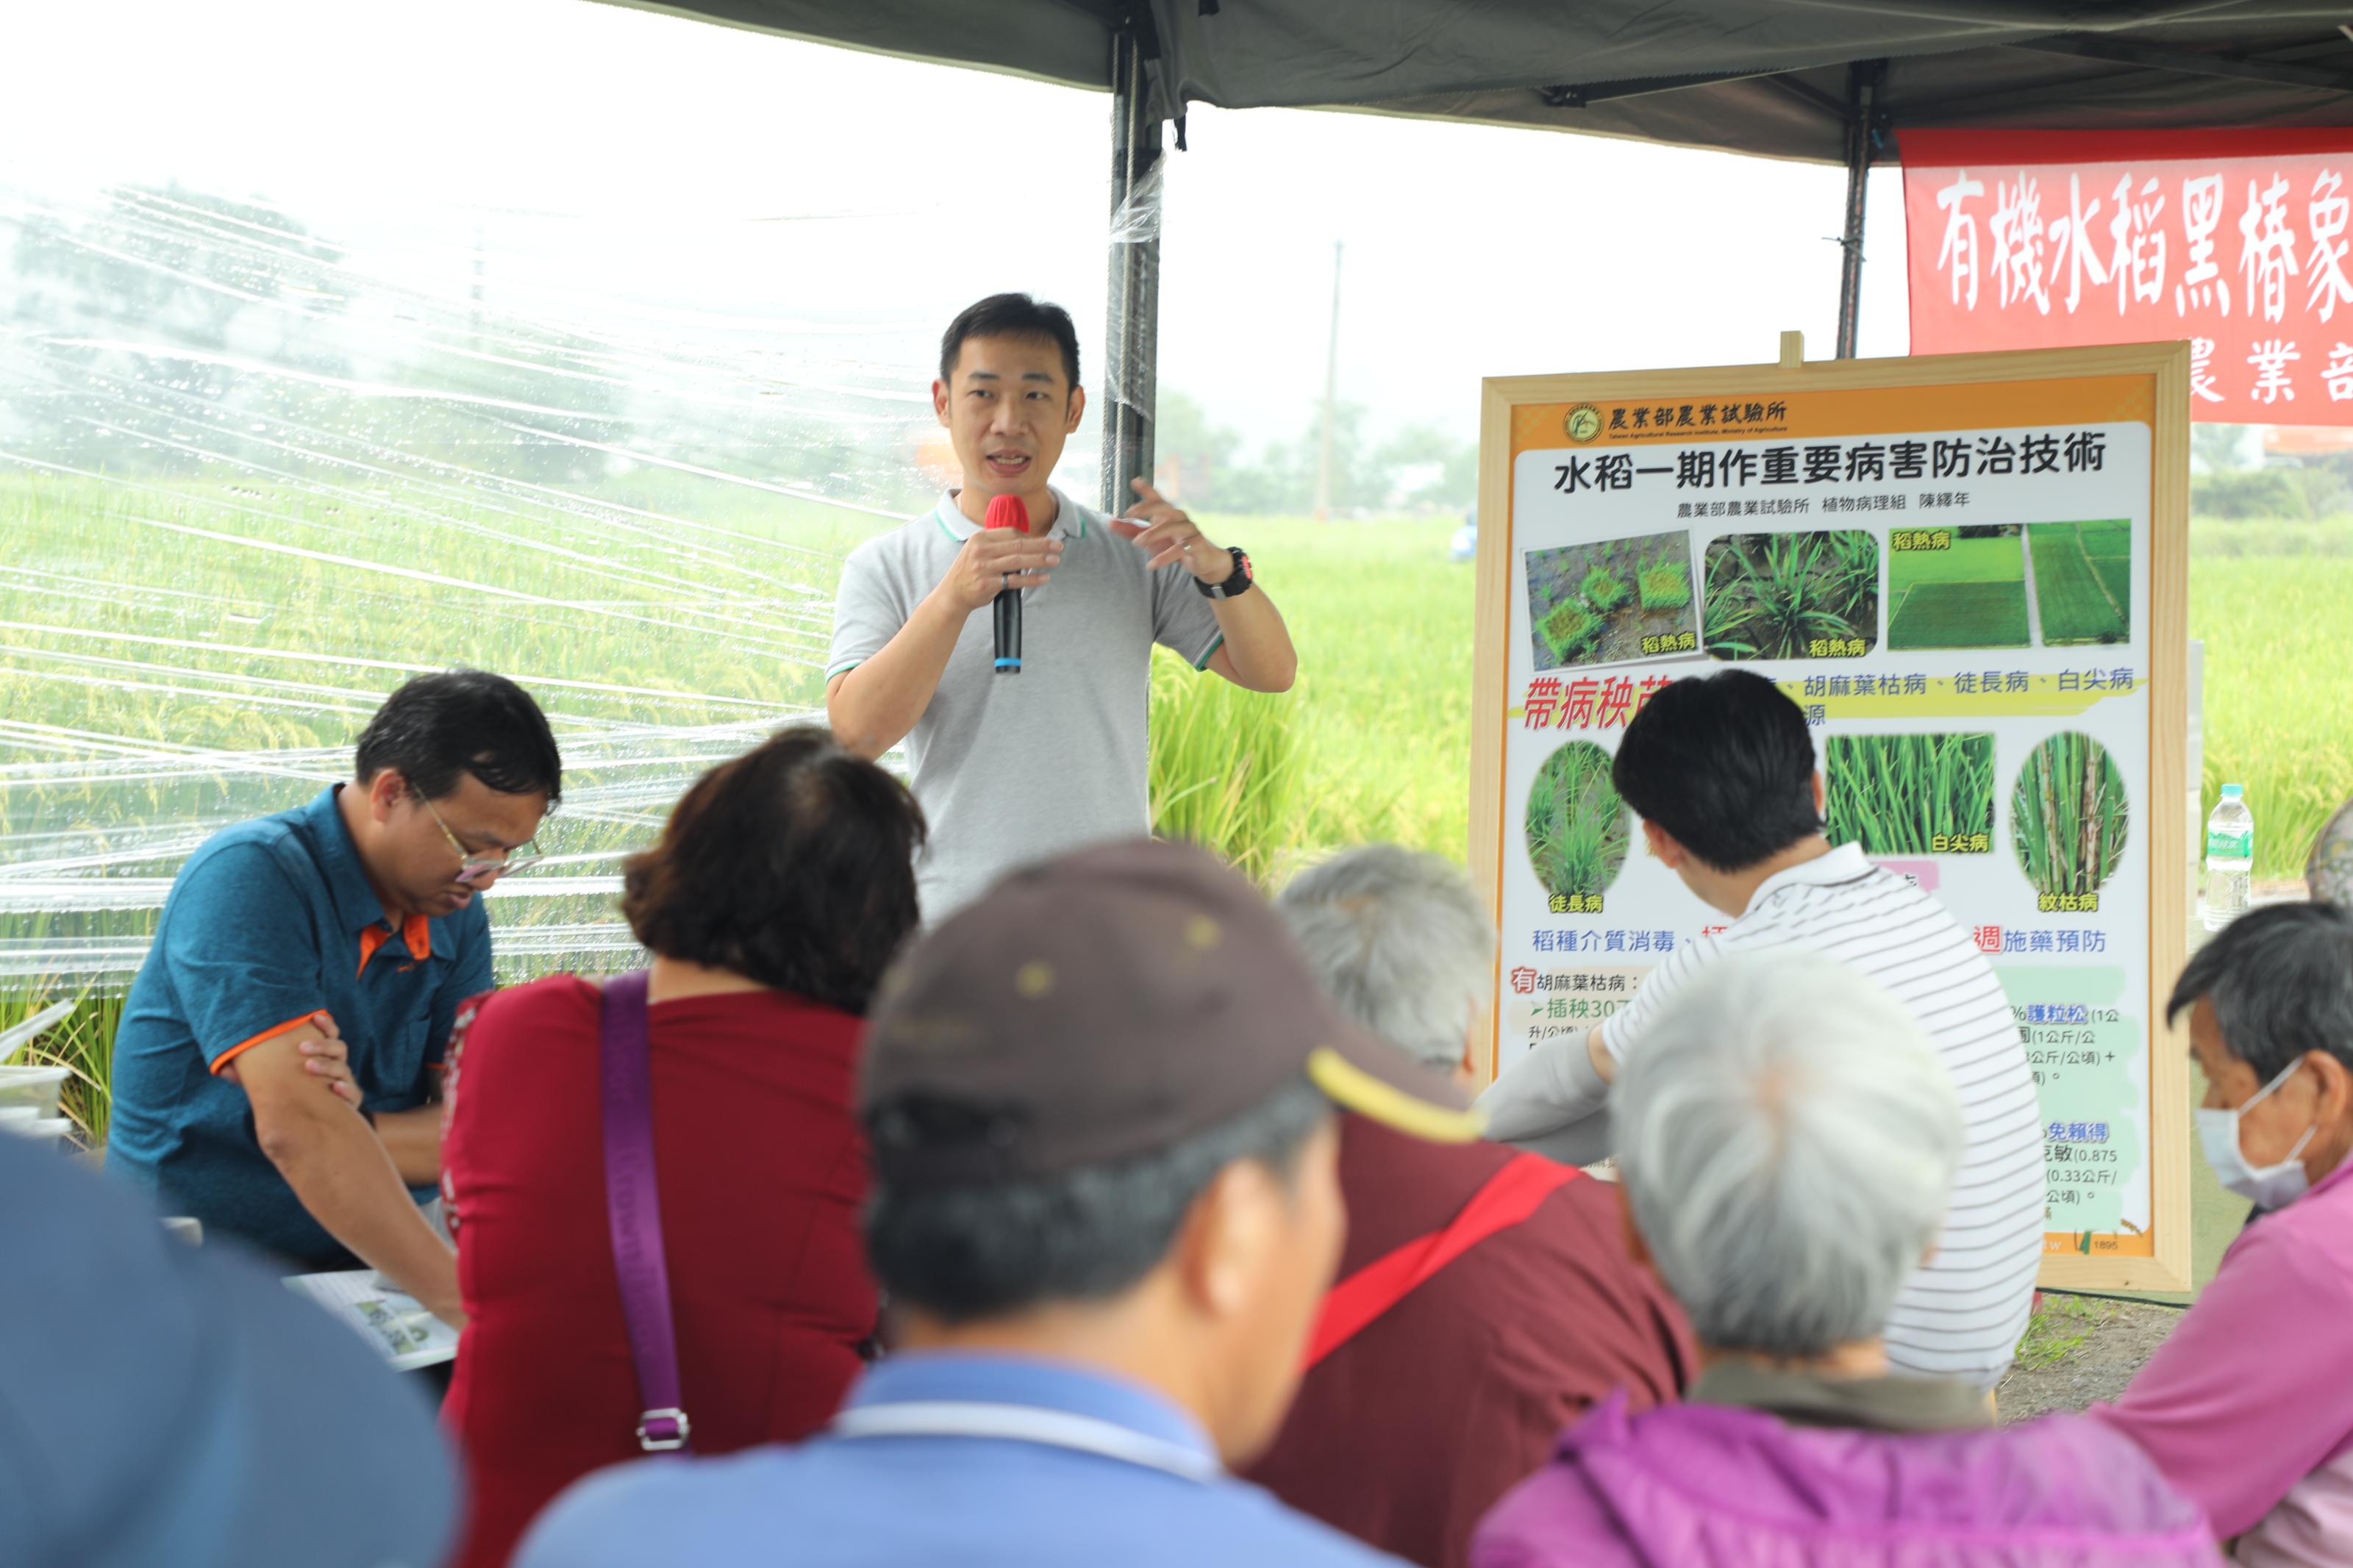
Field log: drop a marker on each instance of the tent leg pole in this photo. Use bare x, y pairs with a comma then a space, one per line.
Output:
1130, 345
1863, 85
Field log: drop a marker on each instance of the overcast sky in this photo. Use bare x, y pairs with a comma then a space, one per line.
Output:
667, 162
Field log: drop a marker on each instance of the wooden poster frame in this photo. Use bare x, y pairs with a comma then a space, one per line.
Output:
2167, 365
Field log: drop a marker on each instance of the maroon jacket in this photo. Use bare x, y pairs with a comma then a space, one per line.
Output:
1405, 1435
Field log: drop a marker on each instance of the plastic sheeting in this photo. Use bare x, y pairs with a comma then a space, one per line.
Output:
253, 474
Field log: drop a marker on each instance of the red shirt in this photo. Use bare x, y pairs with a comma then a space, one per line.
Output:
1407, 1433
762, 1170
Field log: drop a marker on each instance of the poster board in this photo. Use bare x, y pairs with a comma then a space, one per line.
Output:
2004, 538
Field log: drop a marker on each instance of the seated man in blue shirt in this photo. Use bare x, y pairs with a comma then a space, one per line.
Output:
1106, 1208
349, 928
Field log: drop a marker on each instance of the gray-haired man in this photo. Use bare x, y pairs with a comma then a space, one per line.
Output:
1510, 1342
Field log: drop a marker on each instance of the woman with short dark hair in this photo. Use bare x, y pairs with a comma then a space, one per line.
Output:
776, 897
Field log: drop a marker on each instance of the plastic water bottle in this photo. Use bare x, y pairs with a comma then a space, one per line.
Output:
2230, 857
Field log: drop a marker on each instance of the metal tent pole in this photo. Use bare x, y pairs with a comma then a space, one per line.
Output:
1132, 342
1862, 91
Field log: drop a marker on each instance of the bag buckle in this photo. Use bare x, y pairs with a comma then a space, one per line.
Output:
658, 1431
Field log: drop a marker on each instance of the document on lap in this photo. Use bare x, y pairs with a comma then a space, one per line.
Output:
391, 1319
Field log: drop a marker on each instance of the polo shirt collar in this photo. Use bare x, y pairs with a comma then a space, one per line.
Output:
357, 909
1875, 1404
1843, 864
1069, 519
954, 1376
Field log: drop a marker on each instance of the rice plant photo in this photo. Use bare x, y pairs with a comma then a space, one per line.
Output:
2068, 816
1970, 591
1578, 829
1910, 795
1789, 595
2082, 581
1613, 601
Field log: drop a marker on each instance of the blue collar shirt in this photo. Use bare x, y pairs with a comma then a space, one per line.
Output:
269, 922
1141, 1488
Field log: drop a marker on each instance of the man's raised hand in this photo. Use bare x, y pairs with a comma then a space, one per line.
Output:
1157, 527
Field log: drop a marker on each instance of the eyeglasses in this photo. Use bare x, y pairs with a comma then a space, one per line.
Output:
472, 869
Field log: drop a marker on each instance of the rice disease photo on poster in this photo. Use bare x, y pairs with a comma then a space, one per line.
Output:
1612, 601
1792, 596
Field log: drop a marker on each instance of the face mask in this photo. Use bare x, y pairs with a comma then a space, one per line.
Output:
2274, 1186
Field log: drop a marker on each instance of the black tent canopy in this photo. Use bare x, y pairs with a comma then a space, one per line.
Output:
1765, 76
1825, 80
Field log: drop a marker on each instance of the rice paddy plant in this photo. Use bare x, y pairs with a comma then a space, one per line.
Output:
1666, 586
1569, 628
1226, 766
1900, 795
1770, 596
82, 1042
2068, 815
1576, 827
1603, 589
1857, 556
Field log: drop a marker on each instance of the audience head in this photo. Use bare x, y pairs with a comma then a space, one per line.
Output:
1721, 770
454, 774
2270, 1002
792, 865
164, 1403
1786, 1144
1100, 1101
1400, 940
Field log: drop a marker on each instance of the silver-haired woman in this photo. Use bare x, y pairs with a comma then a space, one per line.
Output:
1787, 1142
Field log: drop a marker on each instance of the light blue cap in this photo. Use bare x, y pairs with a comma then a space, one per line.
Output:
2232, 792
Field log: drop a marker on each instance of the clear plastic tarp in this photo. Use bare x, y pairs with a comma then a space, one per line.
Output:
262, 456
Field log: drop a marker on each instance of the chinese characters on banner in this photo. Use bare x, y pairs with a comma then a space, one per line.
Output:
2237, 241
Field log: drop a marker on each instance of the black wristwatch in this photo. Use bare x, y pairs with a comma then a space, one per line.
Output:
1235, 585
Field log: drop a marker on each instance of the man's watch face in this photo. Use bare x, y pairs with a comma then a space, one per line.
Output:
1248, 574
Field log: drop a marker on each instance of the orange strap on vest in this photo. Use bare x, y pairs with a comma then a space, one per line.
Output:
1506, 1199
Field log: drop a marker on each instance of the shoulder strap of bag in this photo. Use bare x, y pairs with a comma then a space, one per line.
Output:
633, 1207
1502, 1201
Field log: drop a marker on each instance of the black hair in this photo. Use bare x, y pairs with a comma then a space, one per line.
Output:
2281, 981
1723, 763
437, 727
965, 1254
1011, 316
792, 865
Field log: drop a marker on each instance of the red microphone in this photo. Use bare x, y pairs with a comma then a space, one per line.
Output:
1006, 512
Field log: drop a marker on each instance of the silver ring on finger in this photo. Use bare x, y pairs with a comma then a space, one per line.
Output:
1004, 580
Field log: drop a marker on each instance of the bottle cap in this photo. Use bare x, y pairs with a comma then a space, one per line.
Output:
2233, 792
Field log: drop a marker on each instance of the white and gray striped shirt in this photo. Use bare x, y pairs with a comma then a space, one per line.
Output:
1962, 1315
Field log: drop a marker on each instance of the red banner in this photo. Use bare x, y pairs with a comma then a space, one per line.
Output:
2234, 240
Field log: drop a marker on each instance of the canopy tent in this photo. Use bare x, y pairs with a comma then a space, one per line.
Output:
1825, 80
1765, 76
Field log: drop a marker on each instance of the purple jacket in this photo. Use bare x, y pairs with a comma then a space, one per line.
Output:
1715, 1484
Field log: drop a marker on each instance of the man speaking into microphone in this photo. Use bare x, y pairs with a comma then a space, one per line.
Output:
1014, 766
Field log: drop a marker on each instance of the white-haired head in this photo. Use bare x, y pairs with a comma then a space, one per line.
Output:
1400, 942
1787, 1140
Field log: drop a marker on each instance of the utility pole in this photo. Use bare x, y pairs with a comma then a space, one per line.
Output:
1331, 394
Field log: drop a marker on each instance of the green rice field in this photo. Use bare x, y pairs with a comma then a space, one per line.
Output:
162, 678
1971, 595
2074, 564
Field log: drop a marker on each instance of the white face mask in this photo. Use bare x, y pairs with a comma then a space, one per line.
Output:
2274, 1186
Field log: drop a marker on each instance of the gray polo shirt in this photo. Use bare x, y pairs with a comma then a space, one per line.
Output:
1014, 768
